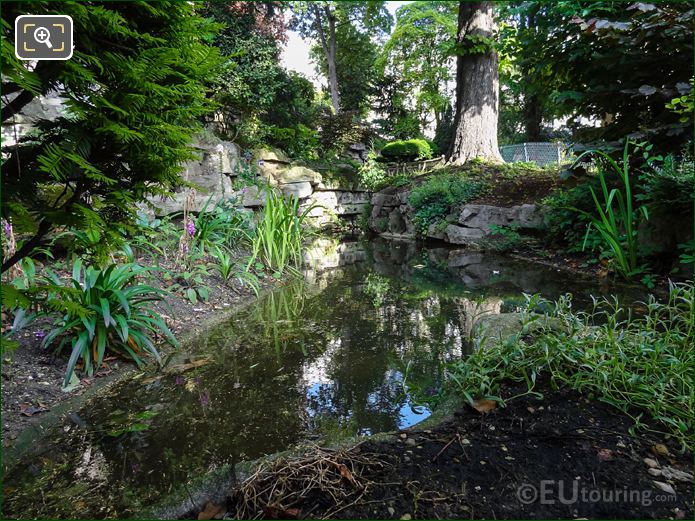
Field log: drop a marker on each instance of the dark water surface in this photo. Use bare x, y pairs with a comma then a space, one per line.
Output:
335, 355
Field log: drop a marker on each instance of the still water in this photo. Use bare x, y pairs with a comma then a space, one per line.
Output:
338, 353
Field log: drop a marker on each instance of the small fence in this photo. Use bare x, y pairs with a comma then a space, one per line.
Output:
413, 167
540, 153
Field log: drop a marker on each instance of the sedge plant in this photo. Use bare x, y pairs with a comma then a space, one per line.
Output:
277, 241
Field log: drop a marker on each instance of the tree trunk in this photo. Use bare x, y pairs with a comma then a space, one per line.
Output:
328, 45
533, 114
477, 88
332, 73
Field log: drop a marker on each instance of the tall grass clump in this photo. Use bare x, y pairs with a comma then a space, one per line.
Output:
277, 241
640, 364
616, 217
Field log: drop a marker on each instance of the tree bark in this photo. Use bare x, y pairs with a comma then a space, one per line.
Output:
533, 114
477, 88
328, 44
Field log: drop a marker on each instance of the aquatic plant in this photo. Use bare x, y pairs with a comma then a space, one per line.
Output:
616, 219
636, 363
104, 310
277, 241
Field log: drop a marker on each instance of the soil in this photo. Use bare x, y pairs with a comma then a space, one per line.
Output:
32, 376
494, 466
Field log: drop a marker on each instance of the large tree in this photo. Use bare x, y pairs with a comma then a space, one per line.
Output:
320, 20
477, 84
134, 93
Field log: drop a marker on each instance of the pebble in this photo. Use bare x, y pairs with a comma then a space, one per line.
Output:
410, 442
391, 510
477, 488
403, 435
670, 473
660, 449
665, 487
620, 444
654, 472
465, 441
651, 463
406, 517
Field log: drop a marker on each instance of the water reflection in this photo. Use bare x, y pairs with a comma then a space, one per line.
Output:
334, 355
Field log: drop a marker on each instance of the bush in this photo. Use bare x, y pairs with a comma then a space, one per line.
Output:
104, 310
433, 199
410, 150
669, 187
372, 174
299, 142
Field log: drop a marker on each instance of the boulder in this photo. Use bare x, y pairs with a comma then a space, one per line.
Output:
491, 329
460, 235
297, 174
298, 190
210, 173
271, 154
253, 197
340, 202
396, 222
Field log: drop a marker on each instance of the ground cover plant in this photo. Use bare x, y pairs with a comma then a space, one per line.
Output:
641, 362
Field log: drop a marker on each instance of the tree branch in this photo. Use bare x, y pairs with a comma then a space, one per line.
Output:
16, 105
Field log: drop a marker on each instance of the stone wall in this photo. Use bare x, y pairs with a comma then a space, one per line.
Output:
391, 215
215, 171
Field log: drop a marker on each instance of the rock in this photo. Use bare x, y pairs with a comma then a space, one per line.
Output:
494, 328
434, 231
391, 510
651, 463
460, 235
406, 517
298, 190
340, 202
659, 449
410, 442
403, 435
270, 154
664, 487
211, 174
654, 472
253, 197
674, 474
396, 222
529, 217
297, 174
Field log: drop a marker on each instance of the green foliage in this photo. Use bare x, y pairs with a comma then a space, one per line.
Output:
433, 199
683, 105
135, 92
416, 58
228, 267
377, 287
190, 280
277, 242
355, 71
564, 226
338, 131
372, 174
300, 142
639, 363
503, 239
409, 150
223, 224
601, 60
104, 310
617, 219
668, 187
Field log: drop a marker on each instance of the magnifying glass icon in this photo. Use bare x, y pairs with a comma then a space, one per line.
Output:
43, 35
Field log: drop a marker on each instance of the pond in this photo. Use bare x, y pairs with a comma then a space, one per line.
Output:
336, 354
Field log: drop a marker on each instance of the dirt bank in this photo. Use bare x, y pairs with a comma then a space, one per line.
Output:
560, 457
